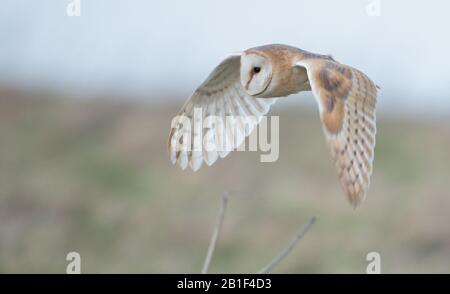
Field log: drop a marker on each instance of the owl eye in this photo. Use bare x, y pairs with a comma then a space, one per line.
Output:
256, 69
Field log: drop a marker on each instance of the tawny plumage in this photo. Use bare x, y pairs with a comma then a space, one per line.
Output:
241, 89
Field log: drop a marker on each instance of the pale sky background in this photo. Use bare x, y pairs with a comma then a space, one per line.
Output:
161, 49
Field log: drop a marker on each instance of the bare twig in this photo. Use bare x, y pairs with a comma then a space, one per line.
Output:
216, 233
288, 248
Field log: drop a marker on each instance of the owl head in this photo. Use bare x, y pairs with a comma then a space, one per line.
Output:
256, 72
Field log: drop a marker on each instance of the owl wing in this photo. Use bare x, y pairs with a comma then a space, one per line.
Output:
346, 99
216, 118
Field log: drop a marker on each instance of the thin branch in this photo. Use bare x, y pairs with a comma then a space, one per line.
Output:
268, 267
216, 233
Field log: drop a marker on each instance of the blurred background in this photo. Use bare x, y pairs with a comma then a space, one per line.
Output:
85, 109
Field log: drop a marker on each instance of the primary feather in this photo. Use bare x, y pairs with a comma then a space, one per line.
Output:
347, 99
228, 112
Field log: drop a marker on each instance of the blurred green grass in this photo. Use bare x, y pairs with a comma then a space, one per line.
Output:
94, 177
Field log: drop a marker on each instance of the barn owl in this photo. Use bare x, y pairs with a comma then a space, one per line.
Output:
246, 84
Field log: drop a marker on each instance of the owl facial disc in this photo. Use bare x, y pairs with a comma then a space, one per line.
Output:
256, 73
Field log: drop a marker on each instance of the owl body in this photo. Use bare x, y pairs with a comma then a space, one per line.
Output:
287, 79
245, 85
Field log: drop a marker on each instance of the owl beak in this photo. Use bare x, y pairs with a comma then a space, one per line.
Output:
249, 80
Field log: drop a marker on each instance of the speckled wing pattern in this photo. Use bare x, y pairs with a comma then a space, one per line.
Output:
347, 100
235, 114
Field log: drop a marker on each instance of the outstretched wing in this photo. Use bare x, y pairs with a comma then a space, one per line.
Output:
216, 118
346, 99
